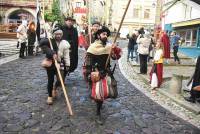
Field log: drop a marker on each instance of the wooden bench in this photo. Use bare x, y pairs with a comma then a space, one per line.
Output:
8, 35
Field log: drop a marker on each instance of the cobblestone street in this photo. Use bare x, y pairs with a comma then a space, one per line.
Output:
23, 108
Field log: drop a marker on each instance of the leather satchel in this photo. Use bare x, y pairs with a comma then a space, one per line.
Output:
95, 76
113, 93
46, 63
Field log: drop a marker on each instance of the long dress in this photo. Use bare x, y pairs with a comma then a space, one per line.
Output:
166, 43
156, 74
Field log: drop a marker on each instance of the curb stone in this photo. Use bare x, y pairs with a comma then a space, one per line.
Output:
159, 98
9, 59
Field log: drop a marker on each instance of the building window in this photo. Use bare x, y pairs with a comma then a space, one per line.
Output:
136, 12
78, 4
188, 37
146, 13
194, 37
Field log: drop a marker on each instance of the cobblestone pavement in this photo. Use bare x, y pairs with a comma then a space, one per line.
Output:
23, 108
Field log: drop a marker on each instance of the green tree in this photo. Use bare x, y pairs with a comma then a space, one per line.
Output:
55, 13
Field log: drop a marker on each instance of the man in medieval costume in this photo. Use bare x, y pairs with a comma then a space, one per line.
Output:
90, 38
60, 52
71, 35
96, 68
166, 45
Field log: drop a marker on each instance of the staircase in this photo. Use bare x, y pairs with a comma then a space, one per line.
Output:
8, 47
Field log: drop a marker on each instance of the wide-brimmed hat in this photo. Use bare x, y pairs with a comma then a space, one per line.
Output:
69, 18
103, 29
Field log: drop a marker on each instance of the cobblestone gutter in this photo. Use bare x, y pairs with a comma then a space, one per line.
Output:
128, 71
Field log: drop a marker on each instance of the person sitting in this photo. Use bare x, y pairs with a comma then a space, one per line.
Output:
194, 94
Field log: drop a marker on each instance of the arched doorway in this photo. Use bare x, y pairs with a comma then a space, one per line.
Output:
15, 17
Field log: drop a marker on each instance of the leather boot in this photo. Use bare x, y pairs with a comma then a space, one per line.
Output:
190, 99
54, 93
49, 100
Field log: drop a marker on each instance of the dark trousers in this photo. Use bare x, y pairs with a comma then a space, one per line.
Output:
30, 49
176, 58
51, 72
22, 49
194, 94
130, 52
99, 106
143, 63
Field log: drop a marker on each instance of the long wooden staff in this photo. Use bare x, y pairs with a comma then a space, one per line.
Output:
89, 23
120, 25
60, 77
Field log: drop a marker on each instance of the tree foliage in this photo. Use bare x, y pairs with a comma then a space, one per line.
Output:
55, 14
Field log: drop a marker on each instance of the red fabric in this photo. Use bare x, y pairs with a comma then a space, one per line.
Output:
103, 90
116, 53
159, 73
82, 41
166, 43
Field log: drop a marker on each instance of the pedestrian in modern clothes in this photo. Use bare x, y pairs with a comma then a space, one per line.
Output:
156, 74
60, 52
22, 38
143, 42
175, 44
195, 81
131, 45
31, 37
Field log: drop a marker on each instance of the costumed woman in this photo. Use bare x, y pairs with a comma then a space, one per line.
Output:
31, 37
156, 74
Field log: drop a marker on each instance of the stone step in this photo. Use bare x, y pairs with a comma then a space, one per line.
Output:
9, 51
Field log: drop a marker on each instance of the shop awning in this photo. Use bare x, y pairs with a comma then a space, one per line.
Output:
187, 23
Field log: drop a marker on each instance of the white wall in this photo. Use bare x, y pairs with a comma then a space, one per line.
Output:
129, 21
182, 11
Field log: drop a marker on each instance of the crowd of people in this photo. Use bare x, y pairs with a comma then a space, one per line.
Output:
147, 48
61, 44
65, 41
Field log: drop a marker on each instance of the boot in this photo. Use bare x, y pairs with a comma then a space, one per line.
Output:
99, 120
54, 93
190, 99
49, 100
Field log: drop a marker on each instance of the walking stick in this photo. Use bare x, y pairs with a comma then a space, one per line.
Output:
60, 77
115, 39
